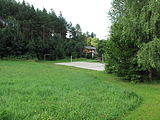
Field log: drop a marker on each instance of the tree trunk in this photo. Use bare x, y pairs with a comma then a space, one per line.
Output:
150, 75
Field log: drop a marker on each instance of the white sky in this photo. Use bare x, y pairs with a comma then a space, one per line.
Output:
90, 14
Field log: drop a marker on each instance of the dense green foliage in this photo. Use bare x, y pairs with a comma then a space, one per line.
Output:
33, 33
39, 91
101, 47
92, 41
149, 55
135, 24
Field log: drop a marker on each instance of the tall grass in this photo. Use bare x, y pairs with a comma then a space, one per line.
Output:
39, 91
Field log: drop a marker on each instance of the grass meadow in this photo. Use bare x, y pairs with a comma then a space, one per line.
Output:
44, 91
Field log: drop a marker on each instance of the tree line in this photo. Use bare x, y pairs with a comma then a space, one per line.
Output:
133, 50
32, 33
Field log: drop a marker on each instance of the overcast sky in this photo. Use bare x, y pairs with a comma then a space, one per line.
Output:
90, 14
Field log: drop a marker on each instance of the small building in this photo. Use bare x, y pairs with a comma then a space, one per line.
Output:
90, 50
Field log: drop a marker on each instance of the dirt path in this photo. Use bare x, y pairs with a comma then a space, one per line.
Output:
85, 65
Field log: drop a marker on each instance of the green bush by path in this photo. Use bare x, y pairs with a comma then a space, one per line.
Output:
40, 91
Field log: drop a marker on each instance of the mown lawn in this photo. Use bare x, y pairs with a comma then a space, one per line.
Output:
44, 91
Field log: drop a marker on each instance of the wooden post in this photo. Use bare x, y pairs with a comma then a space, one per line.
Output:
92, 54
45, 55
102, 58
71, 58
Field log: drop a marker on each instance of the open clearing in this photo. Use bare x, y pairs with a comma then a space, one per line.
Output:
44, 91
85, 65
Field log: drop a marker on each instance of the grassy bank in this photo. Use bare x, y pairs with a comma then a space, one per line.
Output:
44, 91
149, 109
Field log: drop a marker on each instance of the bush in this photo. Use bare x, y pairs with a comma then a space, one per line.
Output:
21, 57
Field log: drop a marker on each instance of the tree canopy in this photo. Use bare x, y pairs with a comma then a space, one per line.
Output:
134, 38
34, 33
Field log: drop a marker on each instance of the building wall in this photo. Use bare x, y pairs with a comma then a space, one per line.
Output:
88, 50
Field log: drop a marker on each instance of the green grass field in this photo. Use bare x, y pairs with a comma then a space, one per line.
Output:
149, 109
44, 91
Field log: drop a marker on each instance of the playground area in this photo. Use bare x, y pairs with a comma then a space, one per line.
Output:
85, 65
